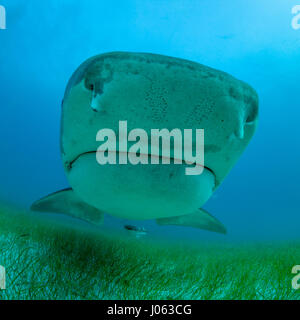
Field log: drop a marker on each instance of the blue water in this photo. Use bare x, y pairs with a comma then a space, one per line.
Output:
253, 40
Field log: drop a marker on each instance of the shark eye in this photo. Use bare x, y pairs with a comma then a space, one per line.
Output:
252, 110
249, 119
252, 115
89, 84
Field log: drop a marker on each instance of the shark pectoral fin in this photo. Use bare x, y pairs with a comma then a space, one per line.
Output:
67, 202
199, 219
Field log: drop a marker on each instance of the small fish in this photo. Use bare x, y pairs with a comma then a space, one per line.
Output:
137, 231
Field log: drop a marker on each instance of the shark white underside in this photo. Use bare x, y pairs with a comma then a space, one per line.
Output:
66, 202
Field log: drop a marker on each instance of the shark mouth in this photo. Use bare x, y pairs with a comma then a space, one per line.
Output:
168, 160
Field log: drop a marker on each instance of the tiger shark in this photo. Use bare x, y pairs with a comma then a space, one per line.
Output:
150, 91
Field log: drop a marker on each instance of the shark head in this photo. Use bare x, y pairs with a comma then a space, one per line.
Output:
152, 92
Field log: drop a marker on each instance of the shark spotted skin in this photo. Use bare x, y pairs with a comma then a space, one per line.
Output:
149, 91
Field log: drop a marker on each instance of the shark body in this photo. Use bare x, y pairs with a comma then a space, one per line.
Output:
149, 91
